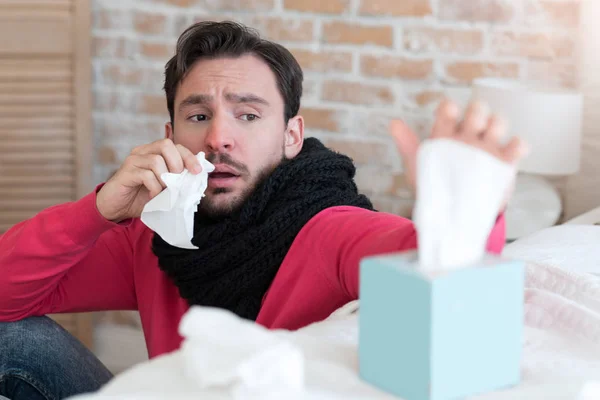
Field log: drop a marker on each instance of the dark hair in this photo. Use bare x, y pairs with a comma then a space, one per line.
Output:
209, 39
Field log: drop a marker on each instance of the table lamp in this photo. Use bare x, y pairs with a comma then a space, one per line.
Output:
549, 119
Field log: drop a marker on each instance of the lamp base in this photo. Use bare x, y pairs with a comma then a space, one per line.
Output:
535, 205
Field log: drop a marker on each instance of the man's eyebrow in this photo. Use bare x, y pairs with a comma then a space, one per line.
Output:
245, 98
195, 99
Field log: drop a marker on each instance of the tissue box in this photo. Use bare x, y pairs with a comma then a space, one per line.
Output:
439, 336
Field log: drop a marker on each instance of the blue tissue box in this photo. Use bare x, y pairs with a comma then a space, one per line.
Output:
442, 336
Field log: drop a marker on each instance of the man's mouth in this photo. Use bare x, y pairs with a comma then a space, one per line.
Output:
222, 176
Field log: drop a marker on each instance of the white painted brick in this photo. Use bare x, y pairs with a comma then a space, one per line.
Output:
124, 128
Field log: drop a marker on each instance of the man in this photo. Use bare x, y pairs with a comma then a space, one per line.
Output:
280, 233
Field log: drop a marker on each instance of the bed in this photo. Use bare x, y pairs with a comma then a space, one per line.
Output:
561, 345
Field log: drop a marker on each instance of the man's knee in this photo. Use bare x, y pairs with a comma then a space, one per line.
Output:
50, 357
32, 335
31, 325
39, 340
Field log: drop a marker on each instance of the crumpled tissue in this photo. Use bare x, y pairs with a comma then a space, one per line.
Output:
171, 212
222, 350
459, 192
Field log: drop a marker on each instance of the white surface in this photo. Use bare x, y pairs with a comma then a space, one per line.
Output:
591, 391
591, 217
171, 212
561, 347
452, 220
535, 205
330, 363
548, 119
571, 247
561, 352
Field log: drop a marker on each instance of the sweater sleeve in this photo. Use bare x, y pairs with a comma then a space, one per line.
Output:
349, 235
67, 258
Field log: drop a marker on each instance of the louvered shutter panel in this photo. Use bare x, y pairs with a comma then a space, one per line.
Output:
45, 129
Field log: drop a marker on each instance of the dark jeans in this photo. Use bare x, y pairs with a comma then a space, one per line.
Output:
39, 360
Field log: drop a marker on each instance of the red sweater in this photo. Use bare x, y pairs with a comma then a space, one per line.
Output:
68, 258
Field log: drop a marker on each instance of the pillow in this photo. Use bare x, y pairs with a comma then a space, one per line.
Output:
571, 247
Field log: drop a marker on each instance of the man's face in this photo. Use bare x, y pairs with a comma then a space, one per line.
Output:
231, 109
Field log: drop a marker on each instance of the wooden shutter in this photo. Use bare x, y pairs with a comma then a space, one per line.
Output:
45, 111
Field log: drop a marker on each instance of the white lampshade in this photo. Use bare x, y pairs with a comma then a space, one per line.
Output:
548, 119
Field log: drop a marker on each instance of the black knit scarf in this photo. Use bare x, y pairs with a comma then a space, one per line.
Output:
239, 255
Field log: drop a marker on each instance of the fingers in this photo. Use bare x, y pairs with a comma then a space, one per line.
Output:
406, 140
176, 157
476, 124
408, 144
146, 177
150, 181
446, 119
153, 162
478, 128
147, 163
171, 155
190, 162
166, 148
475, 120
495, 130
514, 150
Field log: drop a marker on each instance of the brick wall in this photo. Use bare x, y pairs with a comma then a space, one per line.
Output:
365, 62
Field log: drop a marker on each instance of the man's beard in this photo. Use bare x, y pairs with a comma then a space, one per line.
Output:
211, 208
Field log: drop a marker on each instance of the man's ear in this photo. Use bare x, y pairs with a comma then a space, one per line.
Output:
294, 137
169, 131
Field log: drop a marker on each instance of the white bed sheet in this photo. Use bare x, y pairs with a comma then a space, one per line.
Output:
561, 343
572, 247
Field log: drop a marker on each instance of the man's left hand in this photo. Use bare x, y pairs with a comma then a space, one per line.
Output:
477, 129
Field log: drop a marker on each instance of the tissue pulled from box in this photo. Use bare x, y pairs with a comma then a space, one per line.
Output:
171, 212
460, 190
222, 350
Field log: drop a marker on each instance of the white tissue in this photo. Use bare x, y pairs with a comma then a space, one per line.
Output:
222, 350
590, 391
171, 213
460, 190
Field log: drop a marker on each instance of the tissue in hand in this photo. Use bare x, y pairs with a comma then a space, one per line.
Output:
171, 213
460, 190
446, 321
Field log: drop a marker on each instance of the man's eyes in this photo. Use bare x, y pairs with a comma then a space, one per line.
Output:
198, 117
204, 117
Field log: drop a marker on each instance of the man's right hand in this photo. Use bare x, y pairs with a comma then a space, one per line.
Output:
137, 181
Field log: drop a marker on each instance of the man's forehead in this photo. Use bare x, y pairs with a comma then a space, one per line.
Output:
245, 74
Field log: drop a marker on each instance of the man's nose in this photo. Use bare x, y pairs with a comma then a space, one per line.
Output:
219, 137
